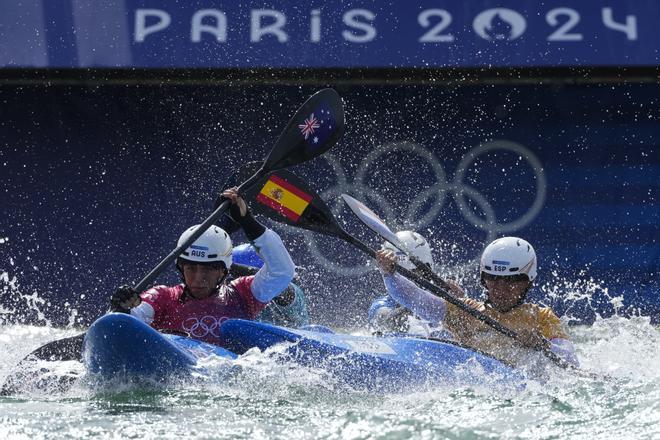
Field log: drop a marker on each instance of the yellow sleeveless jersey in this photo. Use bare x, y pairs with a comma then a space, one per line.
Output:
472, 332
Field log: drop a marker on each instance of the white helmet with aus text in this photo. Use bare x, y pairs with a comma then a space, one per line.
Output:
211, 248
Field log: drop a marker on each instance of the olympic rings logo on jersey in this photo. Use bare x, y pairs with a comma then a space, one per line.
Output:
201, 328
439, 192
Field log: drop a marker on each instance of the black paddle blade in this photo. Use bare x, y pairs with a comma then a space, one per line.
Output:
67, 349
286, 198
316, 127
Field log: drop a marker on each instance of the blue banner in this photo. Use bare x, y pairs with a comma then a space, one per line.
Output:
328, 33
98, 182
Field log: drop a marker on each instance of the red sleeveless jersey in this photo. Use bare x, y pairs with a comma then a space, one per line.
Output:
201, 318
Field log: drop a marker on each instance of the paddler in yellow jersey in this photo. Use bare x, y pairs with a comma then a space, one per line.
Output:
508, 269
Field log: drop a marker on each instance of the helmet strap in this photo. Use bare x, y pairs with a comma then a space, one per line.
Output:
516, 305
186, 291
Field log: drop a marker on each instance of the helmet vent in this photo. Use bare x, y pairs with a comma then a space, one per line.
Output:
213, 256
488, 268
514, 269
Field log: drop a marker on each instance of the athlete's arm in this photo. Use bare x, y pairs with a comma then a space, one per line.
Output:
144, 312
421, 302
278, 269
551, 327
153, 302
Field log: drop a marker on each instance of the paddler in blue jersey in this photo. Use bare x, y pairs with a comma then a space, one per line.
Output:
386, 315
507, 269
198, 306
289, 308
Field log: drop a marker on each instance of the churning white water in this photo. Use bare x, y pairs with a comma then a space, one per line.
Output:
264, 399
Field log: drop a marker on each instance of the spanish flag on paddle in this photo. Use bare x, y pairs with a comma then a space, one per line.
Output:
284, 197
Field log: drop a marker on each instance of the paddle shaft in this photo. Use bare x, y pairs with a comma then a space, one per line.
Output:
441, 287
442, 293
428, 272
224, 206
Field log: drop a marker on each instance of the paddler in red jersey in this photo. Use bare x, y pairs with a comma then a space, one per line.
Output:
199, 305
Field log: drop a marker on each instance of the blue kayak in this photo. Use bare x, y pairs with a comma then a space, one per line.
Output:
376, 363
119, 345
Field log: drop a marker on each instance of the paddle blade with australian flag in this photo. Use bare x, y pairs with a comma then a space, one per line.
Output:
317, 125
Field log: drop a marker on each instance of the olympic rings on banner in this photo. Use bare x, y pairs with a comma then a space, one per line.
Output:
439, 191
539, 174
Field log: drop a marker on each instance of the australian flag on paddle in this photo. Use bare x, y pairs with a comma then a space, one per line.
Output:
317, 127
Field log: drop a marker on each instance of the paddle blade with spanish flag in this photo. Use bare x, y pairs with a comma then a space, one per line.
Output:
284, 197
